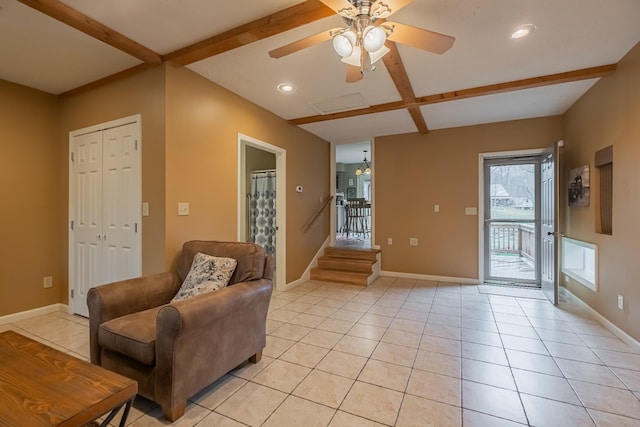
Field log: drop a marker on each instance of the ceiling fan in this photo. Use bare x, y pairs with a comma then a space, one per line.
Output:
362, 42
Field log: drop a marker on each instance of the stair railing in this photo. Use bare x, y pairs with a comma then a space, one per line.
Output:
315, 216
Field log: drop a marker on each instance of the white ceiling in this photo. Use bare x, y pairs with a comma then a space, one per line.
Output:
40, 52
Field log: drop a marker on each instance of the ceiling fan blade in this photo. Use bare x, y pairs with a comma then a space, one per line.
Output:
302, 44
420, 38
342, 7
354, 74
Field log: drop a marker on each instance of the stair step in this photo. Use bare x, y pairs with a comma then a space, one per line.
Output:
338, 276
365, 254
345, 264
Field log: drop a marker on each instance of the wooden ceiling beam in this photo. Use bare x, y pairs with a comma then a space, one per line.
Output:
418, 119
276, 23
541, 81
109, 79
380, 108
69, 16
398, 73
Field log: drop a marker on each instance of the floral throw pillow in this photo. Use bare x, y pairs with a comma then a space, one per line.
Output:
208, 273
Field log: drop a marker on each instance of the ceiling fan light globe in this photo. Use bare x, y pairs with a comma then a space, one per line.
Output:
373, 38
342, 46
354, 58
375, 56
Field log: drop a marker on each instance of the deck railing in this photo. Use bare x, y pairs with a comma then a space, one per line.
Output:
513, 238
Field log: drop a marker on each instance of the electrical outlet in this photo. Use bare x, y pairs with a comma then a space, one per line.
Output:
389, 241
436, 208
413, 241
620, 302
47, 282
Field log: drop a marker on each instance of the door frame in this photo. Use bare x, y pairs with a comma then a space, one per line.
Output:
281, 201
536, 161
481, 182
134, 119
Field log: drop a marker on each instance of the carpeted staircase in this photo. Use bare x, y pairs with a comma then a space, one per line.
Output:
345, 265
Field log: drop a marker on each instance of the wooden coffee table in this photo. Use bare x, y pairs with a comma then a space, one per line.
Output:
41, 386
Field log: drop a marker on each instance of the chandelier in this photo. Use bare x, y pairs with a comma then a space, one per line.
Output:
362, 40
364, 167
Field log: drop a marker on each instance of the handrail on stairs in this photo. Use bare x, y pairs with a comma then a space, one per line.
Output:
315, 216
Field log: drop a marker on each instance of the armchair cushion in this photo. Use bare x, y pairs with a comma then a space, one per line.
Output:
133, 335
251, 258
208, 273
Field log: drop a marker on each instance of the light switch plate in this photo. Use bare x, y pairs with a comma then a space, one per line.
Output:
436, 208
471, 211
413, 241
183, 209
145, 209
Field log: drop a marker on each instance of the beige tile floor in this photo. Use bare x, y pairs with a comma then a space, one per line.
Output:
408, 353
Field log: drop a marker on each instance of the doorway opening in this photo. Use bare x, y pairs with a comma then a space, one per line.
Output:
262, 200
354, 195
519, 219
512, 214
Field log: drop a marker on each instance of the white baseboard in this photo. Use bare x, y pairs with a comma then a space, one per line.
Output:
461, 280
15, 317
626, 338
306, 276
376, 268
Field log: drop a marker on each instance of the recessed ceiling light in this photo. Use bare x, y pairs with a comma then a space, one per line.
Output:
286, 87
522, 31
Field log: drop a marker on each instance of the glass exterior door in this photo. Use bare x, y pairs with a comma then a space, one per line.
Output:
512, 214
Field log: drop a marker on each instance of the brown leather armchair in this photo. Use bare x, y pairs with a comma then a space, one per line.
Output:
176, 349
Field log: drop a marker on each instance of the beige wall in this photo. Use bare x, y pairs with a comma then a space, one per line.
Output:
141, 94
609, 114
257, 160
203, 123
190, 131
413, 172
33, 202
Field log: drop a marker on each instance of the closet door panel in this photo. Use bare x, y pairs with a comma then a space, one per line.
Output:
87, 170
122, 201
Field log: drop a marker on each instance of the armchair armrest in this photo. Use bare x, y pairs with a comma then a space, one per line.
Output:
203, 337
209, 309
117, 299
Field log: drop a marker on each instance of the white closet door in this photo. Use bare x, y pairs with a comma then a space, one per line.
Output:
121, 203
105, 195
87, 216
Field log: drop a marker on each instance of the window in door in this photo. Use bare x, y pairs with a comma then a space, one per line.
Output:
512, 221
